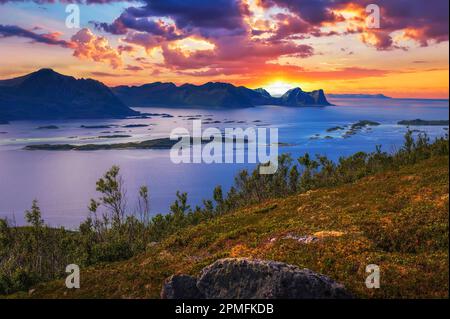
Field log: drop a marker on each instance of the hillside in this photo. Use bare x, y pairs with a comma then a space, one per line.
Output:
396, 219
212, 94
46, 94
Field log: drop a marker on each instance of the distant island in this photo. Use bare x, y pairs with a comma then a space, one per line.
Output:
419, 122
212, 95
46, 94
161, 143
359, 96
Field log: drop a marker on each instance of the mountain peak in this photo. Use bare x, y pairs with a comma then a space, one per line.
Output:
295, 90
263, 92
45, 70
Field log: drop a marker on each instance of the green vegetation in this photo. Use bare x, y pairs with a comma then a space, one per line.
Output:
419, 122
387, 209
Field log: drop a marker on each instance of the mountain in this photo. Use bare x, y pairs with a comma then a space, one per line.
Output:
211, 94
359, 96
46, 94
215, 95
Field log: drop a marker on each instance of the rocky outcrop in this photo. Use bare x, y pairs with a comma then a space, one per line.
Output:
242, 278
298, 97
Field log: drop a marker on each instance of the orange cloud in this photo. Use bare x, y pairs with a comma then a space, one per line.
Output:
96, 48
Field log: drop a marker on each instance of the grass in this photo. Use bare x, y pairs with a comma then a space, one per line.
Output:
397, 220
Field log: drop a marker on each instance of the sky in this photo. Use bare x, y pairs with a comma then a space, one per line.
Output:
335, 45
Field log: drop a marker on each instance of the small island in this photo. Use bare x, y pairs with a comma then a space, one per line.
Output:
48, 127
97, 126
134, 125
336, 128
160, 143
419, 122
355, 127
115, 136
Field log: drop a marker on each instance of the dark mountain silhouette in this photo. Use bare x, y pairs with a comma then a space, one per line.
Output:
212, 94
46, 94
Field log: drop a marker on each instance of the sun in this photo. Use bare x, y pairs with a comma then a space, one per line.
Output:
278, 88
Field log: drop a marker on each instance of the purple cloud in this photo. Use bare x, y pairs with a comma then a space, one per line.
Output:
52, 38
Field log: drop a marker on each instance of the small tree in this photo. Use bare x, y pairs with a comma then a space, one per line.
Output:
144, 204
218, 198
180, 208
33, 217
293, 179
111, 187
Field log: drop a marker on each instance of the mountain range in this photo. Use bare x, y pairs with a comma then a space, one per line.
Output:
46, 94
212, 95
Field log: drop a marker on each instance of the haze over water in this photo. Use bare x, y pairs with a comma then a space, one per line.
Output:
64, 181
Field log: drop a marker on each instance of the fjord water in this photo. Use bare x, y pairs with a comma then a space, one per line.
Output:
64, 181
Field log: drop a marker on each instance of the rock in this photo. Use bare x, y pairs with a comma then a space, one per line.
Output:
307, 239
243, 278
181, 287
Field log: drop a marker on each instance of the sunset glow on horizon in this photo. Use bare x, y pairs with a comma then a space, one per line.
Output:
273, 44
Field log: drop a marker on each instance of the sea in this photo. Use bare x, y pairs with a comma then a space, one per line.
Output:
64, 181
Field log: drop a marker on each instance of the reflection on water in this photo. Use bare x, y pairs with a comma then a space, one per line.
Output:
63, 181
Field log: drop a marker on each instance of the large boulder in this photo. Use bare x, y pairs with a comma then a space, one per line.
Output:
181, 287
242, 278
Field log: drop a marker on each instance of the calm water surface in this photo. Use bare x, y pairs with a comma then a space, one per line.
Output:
64, 181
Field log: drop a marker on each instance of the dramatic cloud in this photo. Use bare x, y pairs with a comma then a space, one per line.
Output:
419, 20
248, 38
245, 35
191, 14
46, 38
85, 44
89, 46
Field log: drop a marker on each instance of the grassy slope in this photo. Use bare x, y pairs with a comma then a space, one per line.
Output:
398, 220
